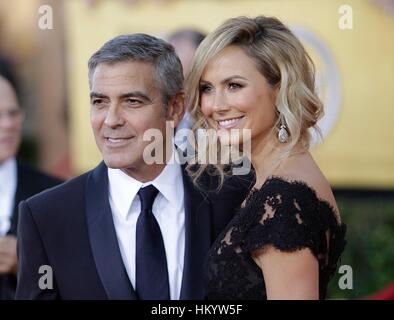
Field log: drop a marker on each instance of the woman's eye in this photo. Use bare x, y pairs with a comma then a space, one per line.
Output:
234, 86
204, 88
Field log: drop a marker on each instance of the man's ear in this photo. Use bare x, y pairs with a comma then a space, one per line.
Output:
176, 108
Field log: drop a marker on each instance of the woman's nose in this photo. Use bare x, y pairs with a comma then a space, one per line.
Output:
220, 103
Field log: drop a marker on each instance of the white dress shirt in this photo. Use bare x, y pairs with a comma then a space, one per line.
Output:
168, 209
8, 183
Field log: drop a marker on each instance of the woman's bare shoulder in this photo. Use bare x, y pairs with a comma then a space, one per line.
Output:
303, 168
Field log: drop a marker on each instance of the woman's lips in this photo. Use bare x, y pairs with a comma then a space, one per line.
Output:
228, 123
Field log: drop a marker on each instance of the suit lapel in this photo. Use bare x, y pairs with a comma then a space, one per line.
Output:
197, 240
103, 239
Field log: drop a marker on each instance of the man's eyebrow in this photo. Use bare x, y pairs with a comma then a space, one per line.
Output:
135, 94
97, 95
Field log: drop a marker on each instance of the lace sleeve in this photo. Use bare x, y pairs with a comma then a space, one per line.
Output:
288, 216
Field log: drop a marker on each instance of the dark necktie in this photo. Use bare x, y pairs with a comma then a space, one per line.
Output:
151, 263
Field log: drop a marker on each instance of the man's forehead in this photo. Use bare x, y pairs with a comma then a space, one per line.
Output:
130, 73
128, 68
7, 94
6, 87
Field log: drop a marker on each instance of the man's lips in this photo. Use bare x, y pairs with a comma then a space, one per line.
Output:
228, 123
117, 141
7, 139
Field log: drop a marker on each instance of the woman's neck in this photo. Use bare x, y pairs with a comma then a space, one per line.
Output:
267, 161
262, 157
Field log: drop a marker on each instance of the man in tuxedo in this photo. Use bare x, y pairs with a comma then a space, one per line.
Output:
130, 228
17, 182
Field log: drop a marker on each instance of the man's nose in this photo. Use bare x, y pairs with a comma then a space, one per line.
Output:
114, 117
8, 120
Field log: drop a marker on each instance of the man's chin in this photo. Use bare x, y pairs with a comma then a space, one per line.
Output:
117, 163
7, 154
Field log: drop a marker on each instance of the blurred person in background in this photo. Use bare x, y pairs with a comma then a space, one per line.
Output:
17, 181
185, 42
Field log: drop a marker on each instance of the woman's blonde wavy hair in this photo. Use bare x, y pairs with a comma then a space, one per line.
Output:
282, 60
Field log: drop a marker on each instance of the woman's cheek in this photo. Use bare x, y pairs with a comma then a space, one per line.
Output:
205, 109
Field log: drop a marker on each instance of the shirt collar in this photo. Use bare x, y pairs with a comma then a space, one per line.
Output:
169, 182
8, 172
123, 188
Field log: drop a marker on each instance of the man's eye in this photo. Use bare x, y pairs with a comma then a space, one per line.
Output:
97, 101
14, 113
133, 101
204, 88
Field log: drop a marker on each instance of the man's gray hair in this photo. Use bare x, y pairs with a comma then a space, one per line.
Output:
145, 48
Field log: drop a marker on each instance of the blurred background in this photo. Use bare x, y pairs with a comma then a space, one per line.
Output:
48, 43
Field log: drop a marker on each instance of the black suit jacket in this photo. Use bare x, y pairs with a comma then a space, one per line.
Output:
70, 229
29, 182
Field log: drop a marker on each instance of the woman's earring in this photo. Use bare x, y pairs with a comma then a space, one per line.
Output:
283, 135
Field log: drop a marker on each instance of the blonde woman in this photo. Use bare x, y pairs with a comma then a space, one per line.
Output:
285, 240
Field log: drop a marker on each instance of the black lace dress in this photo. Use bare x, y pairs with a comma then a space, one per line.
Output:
286, 215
